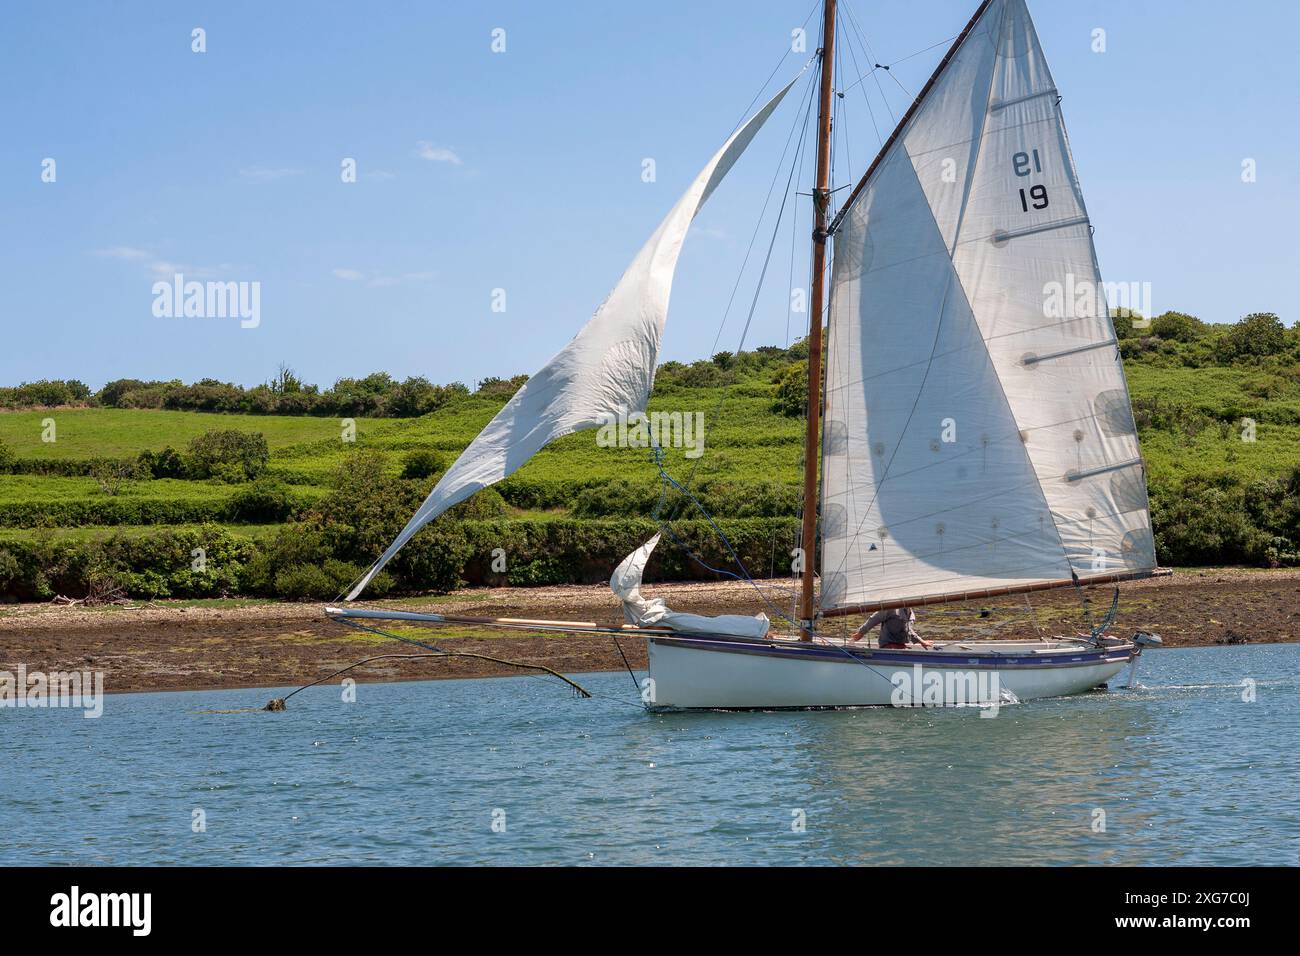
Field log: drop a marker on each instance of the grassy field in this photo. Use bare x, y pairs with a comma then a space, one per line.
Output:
112, 432
1218, 496
746, 440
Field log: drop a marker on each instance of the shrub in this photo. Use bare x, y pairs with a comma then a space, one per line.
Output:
483, 504
423, 463
302, 581
615, 498
228, 455
434, 559
46, 394
503, 388
791, 394
541, 572
1258, 334
750, 499
294, 544
366, 508
111, 394
164, 563
1122, 319
1178, 327
418, 396
151, 397
206, 395
113, 476
167, 463
10, 570
1204, 521
264, 501
115, 510
6, 459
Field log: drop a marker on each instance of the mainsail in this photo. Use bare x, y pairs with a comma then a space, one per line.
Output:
606, 370
978, 432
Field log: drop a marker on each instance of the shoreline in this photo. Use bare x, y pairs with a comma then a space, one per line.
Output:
177, 645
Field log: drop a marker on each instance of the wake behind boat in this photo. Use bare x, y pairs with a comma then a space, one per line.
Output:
977, 437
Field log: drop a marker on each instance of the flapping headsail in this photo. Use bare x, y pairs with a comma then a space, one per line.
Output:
978, 427
606, 370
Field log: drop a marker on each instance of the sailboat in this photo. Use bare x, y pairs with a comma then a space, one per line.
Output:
976, 442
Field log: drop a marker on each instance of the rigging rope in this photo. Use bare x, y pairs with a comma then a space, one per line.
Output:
278, 703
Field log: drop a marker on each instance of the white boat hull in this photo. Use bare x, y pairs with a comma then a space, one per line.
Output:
705, 672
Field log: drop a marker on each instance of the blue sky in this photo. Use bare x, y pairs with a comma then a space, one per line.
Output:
522, 170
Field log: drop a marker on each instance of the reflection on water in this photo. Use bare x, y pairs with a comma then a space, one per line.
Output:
1183, 770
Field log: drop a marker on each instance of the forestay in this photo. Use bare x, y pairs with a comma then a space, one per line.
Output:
606, 370
978, 429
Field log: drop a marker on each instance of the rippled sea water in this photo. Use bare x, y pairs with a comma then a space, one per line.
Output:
1184, 770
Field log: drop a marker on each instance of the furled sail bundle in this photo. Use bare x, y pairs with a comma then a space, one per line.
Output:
625, 582
978, 432
606, 370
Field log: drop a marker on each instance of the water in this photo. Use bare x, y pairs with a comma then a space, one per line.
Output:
1184, 770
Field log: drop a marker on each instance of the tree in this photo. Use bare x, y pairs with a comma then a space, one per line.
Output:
1177, 327
493, 387
791, 396
1123, 320
286, 381
1258, 334
415, 397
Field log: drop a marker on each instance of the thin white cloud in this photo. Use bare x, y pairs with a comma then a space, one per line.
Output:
123, 252
436, 154
378, 280
266, 174
709, 232
162, 268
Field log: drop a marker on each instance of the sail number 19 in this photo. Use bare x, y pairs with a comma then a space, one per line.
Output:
1024, 164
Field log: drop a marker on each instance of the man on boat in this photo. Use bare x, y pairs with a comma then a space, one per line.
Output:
896, 630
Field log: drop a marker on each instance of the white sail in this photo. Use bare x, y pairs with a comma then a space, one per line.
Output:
606, 370
625, 582
978, 428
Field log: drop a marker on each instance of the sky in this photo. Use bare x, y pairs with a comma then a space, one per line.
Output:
523, 169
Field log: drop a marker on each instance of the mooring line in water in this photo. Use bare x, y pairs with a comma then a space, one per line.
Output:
278, 703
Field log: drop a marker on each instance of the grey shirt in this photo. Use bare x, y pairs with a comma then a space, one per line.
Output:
895, 626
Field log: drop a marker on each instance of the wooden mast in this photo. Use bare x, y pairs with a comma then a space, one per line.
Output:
821, 208
821, 232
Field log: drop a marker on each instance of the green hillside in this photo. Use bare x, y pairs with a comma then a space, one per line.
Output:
121, 496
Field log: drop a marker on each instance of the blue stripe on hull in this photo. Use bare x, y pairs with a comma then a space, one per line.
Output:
959, 660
